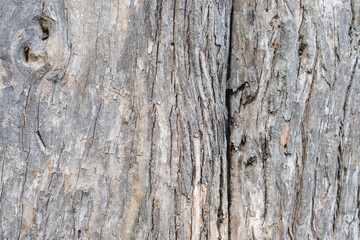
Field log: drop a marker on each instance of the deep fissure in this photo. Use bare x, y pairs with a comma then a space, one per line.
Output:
228, 94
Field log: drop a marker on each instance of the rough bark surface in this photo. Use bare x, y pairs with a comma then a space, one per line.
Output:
295, 120
179, 119
113, 119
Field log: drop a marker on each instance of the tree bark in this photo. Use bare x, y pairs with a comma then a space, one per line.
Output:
178, 119
295, 118
113, 119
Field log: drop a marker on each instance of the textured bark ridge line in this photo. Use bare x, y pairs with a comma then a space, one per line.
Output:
113, 119
294, 119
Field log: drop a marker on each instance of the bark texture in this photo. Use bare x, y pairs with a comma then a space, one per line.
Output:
179, 119
295, 120
113, 119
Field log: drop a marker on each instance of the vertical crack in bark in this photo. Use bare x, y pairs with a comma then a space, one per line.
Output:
228, 94
25, 119
173, 113
349, 89
151, 199
38, 133
301, 45
265, 181
350, 32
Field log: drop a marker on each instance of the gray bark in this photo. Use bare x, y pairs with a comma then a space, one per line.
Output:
179, 119
113, 119
295, 118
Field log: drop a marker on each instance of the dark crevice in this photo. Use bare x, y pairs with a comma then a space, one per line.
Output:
339, 176
251, 161
41, 138
26, 53
228, 155
265, 156
38, 126
302, 47
44, 28
228, 95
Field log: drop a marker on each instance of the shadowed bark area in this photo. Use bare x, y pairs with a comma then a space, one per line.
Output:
294, 108
113, 119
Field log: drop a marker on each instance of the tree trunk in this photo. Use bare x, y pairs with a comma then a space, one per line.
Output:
113, 119
179, 119
295, 120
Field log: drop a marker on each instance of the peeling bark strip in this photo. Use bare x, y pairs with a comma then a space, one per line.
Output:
294, 120
138, 120
112, 119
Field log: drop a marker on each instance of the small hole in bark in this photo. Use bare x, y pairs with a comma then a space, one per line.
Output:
251, 161
267, 10
302, 45
44, 28
79, 234
302, 48
243, 140
26, 53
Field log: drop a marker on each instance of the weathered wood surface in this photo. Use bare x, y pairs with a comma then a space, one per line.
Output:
113, 119
116, 122
295, 120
